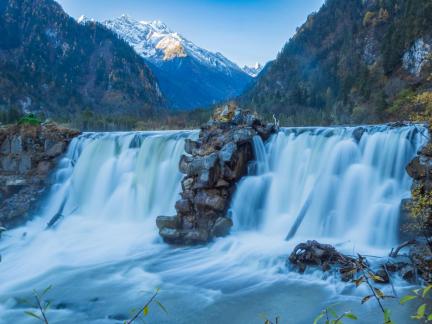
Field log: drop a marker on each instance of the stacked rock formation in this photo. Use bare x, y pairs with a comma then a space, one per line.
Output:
213, 165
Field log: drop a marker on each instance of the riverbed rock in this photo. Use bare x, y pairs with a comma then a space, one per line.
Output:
28, 154
213, 165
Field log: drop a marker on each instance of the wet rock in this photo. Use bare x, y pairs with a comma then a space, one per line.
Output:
44, 167
408, 273
420, 168
243, 135
421, 257
195, 236
398, 124
227, 152
209, 200
313, 253
5, 147
56, 150
170, 235
358, 133
187, 183
426, 151
16, 145
191, 146
222, 227
25, 163
170, 222
183, 206
212, 167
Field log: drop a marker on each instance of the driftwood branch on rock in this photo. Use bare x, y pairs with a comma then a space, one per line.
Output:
417, 264
213, 165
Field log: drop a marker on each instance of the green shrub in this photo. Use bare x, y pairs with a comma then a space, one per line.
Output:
29, 119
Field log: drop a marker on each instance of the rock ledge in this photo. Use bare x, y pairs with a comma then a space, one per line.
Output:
28, 154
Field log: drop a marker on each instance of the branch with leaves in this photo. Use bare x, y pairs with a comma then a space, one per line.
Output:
41, 305
367, 276
330, 316
144, 311
424, 311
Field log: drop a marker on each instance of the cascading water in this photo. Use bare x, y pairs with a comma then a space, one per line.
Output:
321, 183
103, 248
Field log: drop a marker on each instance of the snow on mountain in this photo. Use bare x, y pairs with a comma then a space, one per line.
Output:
83, 20
156, 42
253, 71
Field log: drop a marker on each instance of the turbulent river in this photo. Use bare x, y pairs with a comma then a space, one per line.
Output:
104, 256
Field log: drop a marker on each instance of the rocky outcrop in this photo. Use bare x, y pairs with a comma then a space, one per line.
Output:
420, 169
28, 153
213, 165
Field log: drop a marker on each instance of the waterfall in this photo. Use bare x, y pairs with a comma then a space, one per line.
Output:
119, 176
321, 183
305, 183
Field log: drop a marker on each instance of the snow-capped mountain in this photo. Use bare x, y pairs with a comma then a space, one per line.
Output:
189, 75
254, 70
155, 41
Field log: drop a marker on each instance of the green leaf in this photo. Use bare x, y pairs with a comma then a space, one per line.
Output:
332, 312
387, 319
426, 290
317, 319
161, 306
146, 311
429, 318
365, 299
407, 298
350, 316
421, 310
31, 314
46, 290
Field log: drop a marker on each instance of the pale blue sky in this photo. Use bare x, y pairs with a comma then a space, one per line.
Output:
245, 31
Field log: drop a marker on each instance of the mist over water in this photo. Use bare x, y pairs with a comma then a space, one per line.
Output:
104, 251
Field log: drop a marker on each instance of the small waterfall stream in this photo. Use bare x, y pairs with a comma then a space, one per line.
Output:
104, 250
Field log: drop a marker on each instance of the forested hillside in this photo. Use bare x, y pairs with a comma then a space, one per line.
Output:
354, 61
52, 66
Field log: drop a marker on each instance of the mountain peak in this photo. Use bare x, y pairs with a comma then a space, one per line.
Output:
253, 70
